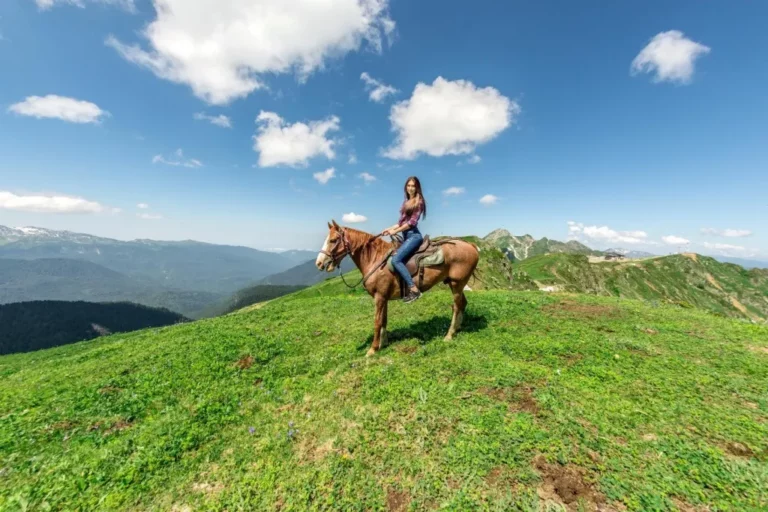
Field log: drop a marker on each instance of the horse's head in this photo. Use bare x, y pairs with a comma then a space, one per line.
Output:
335, 247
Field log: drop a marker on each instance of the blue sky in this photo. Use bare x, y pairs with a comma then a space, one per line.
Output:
641, 124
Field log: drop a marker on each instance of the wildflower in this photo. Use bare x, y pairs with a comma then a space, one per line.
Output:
251, 430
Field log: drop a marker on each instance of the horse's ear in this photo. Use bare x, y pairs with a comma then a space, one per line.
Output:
334, 224
329, 225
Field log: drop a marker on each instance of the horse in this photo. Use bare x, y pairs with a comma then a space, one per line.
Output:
369, 253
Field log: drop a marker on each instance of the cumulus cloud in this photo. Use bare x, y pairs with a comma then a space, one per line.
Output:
448, 118
49, 204
44, 5
225, 50
474, 159
671, 56
353, 218
367, 177
724, 247
352, 158
377, 90
177, 160
453, 191
604, 234
59, 107
675, 240
142, 206
488, 199
220, 120
730, 233
292, 144
325, 176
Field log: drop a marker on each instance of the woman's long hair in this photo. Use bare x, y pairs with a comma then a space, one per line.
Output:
411, 204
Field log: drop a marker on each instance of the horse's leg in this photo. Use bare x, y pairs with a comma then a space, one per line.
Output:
459, 305
381, 305
383, 337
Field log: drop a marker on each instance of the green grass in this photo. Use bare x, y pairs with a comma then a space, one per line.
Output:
649, 406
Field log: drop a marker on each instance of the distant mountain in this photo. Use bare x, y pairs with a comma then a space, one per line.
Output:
27, 326
297, 256
186, 265
519, 248
630, 253
304, 274
685, 279
742, 262
73, 280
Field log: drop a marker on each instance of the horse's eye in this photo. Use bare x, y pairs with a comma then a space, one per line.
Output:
333, 240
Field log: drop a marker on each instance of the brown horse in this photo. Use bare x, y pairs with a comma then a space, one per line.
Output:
369, 253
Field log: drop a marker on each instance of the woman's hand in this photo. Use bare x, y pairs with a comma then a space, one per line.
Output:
386, 233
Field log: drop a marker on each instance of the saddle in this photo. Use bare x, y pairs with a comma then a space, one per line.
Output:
429, 254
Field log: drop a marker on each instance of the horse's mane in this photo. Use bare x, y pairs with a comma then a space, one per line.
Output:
371, 248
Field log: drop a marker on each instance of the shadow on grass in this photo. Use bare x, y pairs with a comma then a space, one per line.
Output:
428, 330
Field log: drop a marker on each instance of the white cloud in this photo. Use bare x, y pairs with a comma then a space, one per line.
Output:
225, 50
675, 240
325, 176
730, 233
448, 118
353, 218
367, 177
44, 5
142, 206
178, 161
604, 234
149, 216
48, 204
488, 199
453, 191
378, 91
59, 107
474, 159
352, 159
720, 246
292, 144
671, 56
220, 120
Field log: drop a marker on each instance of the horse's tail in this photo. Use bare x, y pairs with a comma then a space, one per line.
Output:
476, 275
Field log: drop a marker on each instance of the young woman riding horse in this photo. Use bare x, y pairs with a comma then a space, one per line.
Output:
414, 205
369, 253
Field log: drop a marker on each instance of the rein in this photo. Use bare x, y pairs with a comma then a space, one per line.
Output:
346, 252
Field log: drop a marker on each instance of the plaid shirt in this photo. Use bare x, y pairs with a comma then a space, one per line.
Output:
411, 219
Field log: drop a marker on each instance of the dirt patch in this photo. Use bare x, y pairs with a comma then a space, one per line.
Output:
117, 427
581, 310
650, 437
567, 486
406, 349
397, 501
711, 280
738, 449
650, 331
309, 451
518, 399
603, 328
245, 362
108, 390
762, 350
691, 255
738, 305
209, 489
683, 506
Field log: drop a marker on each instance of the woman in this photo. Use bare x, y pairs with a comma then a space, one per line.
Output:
413, 207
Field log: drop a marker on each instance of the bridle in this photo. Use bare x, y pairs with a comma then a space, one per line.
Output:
336, 261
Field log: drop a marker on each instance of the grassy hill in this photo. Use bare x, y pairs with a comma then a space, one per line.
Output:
687, 279
248, 296
27, 326
545, 401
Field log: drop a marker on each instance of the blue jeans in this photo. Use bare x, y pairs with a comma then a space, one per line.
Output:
411, 241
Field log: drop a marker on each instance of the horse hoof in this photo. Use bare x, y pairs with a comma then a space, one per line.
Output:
448, 337
370, 352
